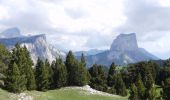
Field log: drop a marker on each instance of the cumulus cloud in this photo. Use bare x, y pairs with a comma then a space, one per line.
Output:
86, 24
150, 20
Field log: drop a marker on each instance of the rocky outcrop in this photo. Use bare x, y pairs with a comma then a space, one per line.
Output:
125, 42
37, 46
124, 50
10, 33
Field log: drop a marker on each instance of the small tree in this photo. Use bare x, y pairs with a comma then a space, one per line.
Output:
133, 92
42, 77
98, 78
60, 74
120, 86
111, 75
140, 87
14, 80
166, 89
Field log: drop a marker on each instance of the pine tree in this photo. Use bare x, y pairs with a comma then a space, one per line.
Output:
31, 84
60, 74
150, 92
29, 72
42, 77
83, 61
14, 80
120, 86
98, 78
4, 62
140, 87
70, 65
19, 57
51, 75
80, 75
111, 75
166, 89
133, 92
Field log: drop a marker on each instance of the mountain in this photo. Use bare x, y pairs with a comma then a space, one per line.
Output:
36, 45
124, 50
88, 53
11, 33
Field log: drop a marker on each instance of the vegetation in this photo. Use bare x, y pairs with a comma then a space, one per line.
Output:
140, 79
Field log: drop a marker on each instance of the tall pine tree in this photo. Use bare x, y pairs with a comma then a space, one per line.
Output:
140, 87
14, 80
133, 92
111, 75
60, 74
42, 76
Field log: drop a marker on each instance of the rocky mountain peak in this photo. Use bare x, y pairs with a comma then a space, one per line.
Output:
11, 33
125, 42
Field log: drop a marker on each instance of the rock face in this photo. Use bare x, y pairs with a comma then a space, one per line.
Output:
11, 33
125, 42
124, 50
36, 45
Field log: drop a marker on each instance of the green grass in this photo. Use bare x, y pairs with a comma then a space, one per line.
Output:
65, 94
60, 94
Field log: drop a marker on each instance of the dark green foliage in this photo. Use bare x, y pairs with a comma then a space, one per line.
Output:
140, 87
166, 89
29, 72
51, 74
111, 75
70, 65
77, 73
83, 61
164, 74
14, 80
111, 90
133, 92
4, 58
60, 74
120, 86
4, 61
167, 63
98, 78
42, 76
21, 57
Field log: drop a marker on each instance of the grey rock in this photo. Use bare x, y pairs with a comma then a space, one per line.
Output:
124, 50
36, 45
11, 33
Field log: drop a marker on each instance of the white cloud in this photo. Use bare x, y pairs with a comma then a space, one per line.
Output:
85, 24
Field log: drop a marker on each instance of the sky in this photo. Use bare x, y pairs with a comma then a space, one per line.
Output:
91, 24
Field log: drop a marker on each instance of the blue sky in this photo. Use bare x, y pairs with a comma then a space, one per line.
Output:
89, 24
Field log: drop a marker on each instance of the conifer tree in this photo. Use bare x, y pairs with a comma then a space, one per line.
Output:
83, 61
150, 92
42, 77
50, 73
111, 75
98, 78
60, 73
120, 86
19, 57
70, 65
29, 72
14, 80
166, 89
133, 92
140, 87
